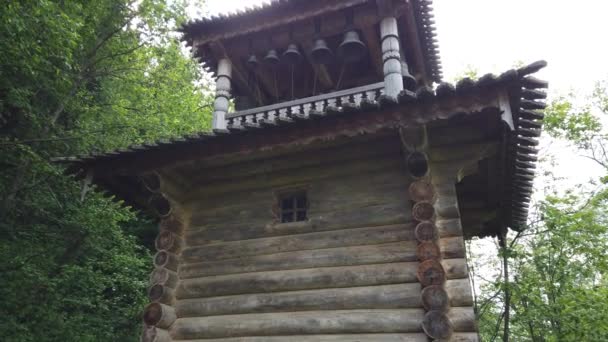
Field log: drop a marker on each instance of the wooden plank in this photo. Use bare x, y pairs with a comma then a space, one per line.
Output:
310, 241
397, 296
296, 323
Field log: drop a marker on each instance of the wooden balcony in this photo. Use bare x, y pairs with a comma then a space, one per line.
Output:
305, 107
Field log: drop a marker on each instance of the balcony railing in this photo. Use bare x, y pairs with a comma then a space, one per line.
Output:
302, 108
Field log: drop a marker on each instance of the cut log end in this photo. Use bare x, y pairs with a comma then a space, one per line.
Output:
431, 272
160, 205
151, 182
435, 297
423, 211
159, 315
437, 325
426, 231
161, 294
172, 223
422, 190
428, 250
166, 259
163, 276
168, 241
417, 164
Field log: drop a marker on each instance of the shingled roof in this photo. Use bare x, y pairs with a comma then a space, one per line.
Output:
520, 158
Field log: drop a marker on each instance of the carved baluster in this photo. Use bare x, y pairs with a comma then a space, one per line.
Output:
222, 93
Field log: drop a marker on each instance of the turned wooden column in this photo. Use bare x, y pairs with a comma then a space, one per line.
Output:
222, 93
391, 56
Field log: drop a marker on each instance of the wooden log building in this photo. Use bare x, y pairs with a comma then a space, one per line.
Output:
332, 199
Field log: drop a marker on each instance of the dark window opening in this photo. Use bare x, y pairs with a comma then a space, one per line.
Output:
293, 207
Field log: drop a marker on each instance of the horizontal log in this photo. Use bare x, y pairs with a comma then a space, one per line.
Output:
354, 217
308, 279
329, 155
408, 337
164, 277
452, 247
465, 337
460, 292
341, 256
463, 319
449, 227
336, 238
297, 323
457, 266
159, 315
396, 296
303, 175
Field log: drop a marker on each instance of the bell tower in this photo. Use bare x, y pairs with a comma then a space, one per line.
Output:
278, 57
332, 199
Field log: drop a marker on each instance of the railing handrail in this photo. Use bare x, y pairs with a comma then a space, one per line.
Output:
305, 100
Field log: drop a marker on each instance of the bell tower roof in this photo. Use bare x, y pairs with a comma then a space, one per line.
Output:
278, 24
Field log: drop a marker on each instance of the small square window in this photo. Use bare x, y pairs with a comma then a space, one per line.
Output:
293, 207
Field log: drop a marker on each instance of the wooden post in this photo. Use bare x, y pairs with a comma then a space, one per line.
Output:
222, 93
391, 56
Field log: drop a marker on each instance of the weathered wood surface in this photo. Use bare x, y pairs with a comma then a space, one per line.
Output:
154, 334
308, 279
314, 322
407, 337
337, 238
341, 256
365, 297
159, 315
241, 229
300, 323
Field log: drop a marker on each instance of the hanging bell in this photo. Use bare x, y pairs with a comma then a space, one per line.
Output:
272, 58
352, 48
292, 55
409, 82
321, 53
252, 62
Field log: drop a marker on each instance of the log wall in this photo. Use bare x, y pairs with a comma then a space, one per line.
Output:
351, 272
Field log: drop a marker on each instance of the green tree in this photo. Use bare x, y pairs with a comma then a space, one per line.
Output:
558, 289
77, 77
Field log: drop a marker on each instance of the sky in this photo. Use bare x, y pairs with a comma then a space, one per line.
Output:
494, 35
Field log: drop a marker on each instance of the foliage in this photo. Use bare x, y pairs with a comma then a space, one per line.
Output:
558, 288
76, 77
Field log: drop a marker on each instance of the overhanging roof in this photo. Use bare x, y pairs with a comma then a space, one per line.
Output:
514, 90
